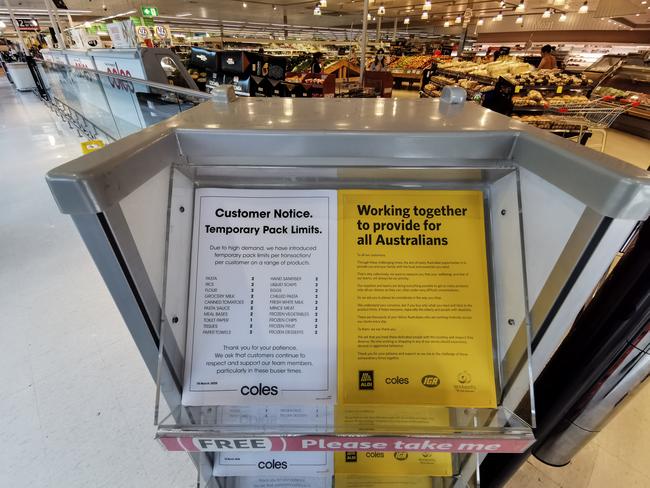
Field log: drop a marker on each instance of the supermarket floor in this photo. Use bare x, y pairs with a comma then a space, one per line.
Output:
77, 401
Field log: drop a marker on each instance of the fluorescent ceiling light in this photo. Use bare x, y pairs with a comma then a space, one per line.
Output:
186, 14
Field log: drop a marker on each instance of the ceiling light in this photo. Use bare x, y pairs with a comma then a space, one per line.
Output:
458, 20
87, 25
323, 3
584, 8
502, 3
546, 14
635, 16
382, 10
521, 7
480, 21
425, 15
244, 5
644, 2
187, 14
563, 17
2, 25
499, 17
427, 5
407, 21
447, 24
317, 10
519, 20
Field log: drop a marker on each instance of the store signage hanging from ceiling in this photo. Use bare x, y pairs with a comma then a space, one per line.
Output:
28, 25
149, 11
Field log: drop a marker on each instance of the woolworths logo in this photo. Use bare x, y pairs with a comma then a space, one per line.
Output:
366, 380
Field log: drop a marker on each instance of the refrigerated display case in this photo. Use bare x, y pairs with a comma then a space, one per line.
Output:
554, 216
597, 70
629, 84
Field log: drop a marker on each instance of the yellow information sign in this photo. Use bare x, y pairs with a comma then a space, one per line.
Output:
414, 308
92, 145
364, 481
393, 463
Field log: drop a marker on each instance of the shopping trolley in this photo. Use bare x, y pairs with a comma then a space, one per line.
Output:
594, 116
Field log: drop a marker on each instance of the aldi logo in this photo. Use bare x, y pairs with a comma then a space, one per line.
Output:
366, 380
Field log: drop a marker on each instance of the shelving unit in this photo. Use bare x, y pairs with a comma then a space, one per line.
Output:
133, 205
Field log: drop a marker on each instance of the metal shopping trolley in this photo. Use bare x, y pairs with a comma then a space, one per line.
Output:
592, 117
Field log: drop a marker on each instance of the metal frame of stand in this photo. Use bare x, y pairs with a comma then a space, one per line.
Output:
569, 211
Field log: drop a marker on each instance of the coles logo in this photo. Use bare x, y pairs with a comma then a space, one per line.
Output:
430, 381
272, 464
259, 390
120, 84
397, 381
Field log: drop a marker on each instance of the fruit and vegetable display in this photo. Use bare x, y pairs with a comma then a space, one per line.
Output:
549, 122
304, 78
410, 62
547, 77
503, 66
534, 99
628, 96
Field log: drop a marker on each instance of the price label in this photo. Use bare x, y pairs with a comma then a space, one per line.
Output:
517, 88
559, 89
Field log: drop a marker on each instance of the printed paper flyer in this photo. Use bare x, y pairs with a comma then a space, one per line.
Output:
414, 308
273, 463
393, 463
262, 308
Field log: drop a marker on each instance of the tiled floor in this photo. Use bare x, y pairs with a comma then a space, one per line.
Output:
77, 401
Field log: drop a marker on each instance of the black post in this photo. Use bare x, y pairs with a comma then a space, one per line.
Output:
38, 80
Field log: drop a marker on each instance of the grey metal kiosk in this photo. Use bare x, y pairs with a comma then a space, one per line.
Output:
556, 213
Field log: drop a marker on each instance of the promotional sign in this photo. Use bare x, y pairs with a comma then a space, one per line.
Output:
399, 463
161, 32
92, 145
122, 34
414, 302
28, 25
262, 309
121, 95
143, 33
369, 481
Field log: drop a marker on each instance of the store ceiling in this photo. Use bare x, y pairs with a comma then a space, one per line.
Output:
206, 13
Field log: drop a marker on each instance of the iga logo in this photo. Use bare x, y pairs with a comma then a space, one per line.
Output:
401, 456
367, 380
430, 381
257, 390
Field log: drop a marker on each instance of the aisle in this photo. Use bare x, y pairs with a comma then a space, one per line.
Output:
77, 401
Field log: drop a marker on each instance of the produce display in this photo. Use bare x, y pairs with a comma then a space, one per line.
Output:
469, 84
631, 96
410, 62
534, 99
304, 78
502, 67
547, 77
549, 122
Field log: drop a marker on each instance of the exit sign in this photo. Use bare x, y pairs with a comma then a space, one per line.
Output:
149, 11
